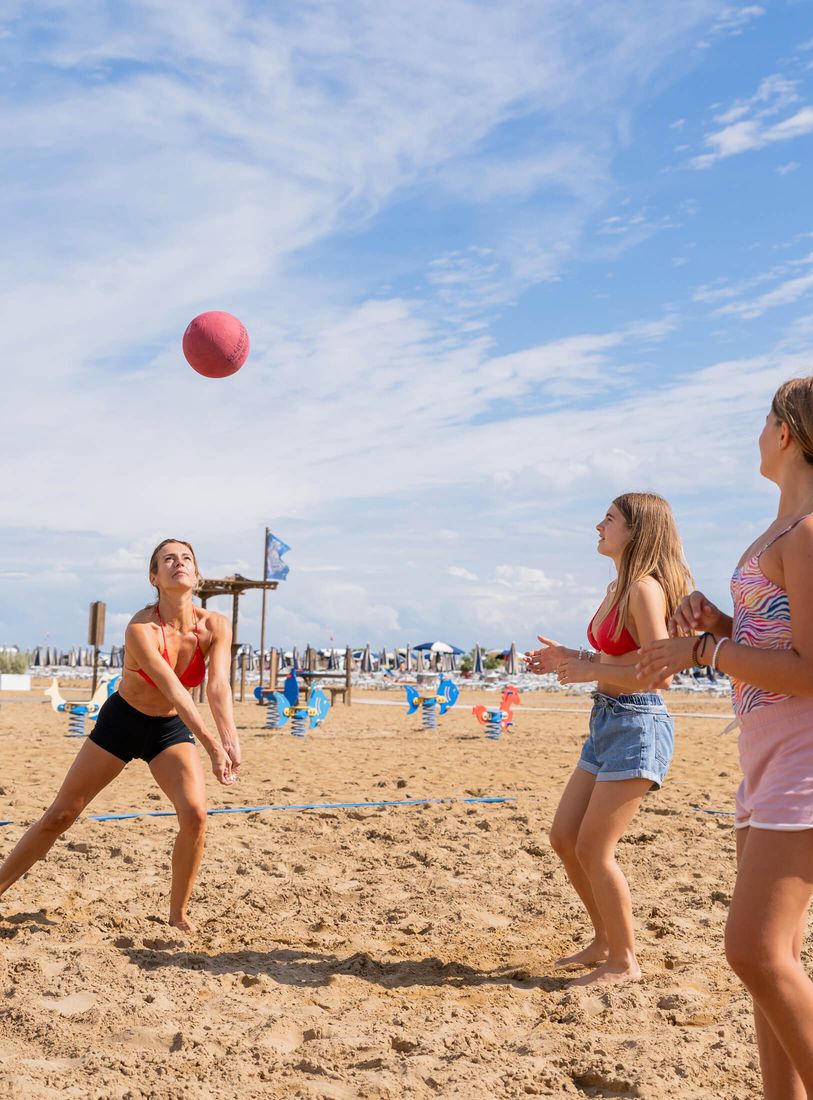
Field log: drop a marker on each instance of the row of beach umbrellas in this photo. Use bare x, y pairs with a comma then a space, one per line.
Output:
437, 655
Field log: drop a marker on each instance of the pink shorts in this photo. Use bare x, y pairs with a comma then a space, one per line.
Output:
776, 756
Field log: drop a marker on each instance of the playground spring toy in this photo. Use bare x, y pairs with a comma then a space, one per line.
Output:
284, 706
79, 712
499, 718
431, 700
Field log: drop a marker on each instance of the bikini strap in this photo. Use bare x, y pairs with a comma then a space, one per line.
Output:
781, 533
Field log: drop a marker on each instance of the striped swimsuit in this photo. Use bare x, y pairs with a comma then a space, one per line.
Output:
776, 730
762, 619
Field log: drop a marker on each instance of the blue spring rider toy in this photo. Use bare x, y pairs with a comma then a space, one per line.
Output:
432, 702
284, 706
78, 713
499, 718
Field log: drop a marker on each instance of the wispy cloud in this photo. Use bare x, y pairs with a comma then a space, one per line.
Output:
735, 299
749, 124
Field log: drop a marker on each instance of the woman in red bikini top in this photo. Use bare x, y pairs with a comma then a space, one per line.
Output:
631, 737
153, 717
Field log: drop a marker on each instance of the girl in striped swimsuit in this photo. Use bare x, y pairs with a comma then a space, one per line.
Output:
767, 650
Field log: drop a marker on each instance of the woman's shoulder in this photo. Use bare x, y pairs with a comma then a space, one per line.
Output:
213, 621
798, 541
645, 589
144, 617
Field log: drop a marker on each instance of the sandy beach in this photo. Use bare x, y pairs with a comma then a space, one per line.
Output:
369, 952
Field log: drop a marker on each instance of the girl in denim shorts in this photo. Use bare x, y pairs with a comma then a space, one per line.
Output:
629, 746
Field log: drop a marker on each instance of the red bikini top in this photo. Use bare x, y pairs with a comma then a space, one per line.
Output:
194, 672
603, 638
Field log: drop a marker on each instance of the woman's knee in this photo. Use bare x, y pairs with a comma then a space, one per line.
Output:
192, 818
563, 842
591, 853
59, 817
756, 964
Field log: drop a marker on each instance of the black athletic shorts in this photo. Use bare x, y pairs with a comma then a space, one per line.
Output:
129, 734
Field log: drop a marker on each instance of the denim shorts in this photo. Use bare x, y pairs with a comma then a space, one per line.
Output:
631, 737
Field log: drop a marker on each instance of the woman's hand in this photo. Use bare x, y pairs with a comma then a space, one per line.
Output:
661, 659
231, 746
576, 670
694, 614
548, 658
221, 766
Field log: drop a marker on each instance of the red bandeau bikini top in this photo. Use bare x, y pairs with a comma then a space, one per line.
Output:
194, 672
603, 638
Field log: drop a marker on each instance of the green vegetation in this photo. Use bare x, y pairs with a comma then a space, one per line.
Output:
467, 662
14, 662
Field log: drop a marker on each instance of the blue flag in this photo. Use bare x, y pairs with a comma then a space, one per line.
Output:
275, 567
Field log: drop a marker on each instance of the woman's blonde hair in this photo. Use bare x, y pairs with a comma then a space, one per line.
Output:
793, 405
154, 560
654, 550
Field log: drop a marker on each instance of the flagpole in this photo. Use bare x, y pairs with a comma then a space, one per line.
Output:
262, 624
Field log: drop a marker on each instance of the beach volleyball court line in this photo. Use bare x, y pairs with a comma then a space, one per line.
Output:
303, 806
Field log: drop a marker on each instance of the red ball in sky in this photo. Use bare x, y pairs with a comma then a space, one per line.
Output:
215, 344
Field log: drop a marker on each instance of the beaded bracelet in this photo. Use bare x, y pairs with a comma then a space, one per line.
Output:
716, 651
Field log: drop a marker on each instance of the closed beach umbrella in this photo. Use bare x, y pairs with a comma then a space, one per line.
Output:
366, 660
511, 664
383, 660
478, 664
419, 662
295, 657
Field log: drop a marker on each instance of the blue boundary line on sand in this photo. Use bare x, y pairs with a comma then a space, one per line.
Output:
302, 806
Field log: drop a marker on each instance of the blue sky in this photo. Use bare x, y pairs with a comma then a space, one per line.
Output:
499, 263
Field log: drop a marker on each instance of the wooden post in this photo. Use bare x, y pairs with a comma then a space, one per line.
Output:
273, 671
243, 663
348, 675
310, 658
96, 637
234, 643
262, 620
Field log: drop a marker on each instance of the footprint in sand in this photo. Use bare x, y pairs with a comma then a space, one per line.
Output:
282, 1038
73, 1005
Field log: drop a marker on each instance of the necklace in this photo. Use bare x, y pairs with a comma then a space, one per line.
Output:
178, 629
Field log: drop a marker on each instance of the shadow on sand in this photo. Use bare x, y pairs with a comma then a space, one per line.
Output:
312, 968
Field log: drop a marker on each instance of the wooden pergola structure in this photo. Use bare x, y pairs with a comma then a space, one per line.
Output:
235, 587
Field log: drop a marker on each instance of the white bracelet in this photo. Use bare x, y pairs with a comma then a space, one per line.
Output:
716, 651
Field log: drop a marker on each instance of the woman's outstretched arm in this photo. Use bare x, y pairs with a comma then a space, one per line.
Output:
218, 689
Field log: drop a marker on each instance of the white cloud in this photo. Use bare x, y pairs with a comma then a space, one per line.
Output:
748, 125
784, 169
461, 572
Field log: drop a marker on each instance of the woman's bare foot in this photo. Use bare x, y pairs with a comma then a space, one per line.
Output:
184, 923
594, 953
609, 974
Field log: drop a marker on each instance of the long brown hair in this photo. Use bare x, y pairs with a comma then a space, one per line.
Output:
653, 550
154, 560
793, 405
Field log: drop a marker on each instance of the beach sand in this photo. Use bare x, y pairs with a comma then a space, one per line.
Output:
392, 952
